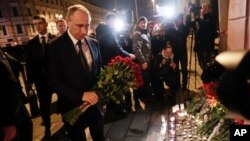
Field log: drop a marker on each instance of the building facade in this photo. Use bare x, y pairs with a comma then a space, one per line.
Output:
16, 26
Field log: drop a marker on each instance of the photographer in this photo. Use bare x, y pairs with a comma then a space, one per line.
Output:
164, 70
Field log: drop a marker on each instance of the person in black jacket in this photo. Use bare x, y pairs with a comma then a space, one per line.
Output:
165, 70
181, 49
110, 45
37, 66
15, 122
205, 35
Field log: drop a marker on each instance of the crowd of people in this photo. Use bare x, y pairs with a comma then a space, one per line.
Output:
69, 63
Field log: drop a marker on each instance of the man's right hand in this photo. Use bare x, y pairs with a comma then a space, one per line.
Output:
90, 97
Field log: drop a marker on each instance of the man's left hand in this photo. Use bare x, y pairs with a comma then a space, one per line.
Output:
90, 97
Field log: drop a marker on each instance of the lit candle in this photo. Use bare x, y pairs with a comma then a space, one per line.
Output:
182, 106
172, 119
172, 139
172, 132
172, 125
163, 118
164, 124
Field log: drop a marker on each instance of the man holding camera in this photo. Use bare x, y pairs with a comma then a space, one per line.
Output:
165, 70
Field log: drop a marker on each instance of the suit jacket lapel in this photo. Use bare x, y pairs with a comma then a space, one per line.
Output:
71, 48
91, 51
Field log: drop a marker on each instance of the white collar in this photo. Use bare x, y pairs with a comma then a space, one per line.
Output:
45, 35
74, 40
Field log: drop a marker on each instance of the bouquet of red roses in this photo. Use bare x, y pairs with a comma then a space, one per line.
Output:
115, 80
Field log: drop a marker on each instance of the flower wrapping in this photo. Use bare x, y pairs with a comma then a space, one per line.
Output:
115, 80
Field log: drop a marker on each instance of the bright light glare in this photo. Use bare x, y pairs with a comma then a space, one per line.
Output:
118, 25
166, 11
230, 59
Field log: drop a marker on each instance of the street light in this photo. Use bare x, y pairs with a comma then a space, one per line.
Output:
154, 9
58, 16
118, 25
167, 11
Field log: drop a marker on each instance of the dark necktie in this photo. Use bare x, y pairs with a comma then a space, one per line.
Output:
80, 53
43, 43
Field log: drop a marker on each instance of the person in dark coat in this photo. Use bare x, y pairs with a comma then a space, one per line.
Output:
37, 66
109, 41
74, 67
164, 69
181, 49
142, 50
15, 122
205, 35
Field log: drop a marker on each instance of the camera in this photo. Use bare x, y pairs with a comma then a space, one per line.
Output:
168, 61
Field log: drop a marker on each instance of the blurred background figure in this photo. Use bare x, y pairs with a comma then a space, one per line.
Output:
181, 48
108, 37
205, 35
142, 51
92, 35
61, 26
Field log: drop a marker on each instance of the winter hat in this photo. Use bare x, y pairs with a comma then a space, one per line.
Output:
142, 18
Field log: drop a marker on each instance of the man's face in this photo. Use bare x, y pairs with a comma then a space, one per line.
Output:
40, 26
61, 27
168, 52
142, 25
78, 24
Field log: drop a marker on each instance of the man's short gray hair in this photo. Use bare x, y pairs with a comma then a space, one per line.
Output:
72, 9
